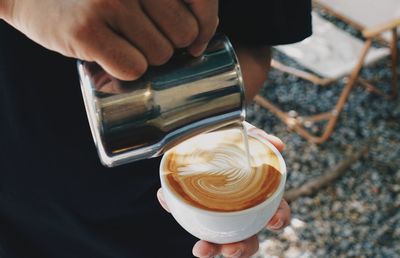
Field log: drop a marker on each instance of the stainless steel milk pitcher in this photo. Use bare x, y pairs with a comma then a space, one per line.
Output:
133, 120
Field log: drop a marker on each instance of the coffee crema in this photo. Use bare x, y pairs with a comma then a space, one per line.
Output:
211, 172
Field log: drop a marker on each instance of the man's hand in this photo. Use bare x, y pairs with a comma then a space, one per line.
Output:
247, 247
122, 36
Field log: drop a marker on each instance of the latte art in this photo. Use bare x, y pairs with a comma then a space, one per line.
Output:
211, 172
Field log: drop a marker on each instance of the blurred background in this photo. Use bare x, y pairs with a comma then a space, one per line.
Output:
358, 213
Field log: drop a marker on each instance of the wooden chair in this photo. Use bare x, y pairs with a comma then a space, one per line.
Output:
330, 54
377, 20
364, 14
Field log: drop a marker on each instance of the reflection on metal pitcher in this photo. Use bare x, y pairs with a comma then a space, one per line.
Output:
132, 120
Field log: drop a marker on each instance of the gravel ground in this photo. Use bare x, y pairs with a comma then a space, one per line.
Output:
359, 214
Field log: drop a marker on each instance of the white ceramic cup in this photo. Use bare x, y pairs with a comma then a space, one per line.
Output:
224, 227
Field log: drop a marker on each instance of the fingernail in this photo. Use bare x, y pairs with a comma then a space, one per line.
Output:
260, 133
210, 255
257, 132
237, 254
276, 225
198, 50
200, 254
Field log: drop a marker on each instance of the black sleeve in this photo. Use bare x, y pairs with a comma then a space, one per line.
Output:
265, 22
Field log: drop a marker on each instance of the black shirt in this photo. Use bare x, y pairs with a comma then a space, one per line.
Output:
56, 199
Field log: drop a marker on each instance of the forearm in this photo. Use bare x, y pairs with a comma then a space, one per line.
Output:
254, 63
5, 9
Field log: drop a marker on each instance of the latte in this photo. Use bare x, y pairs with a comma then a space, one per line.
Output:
210, 171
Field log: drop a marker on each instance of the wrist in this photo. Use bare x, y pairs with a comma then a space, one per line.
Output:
254, 63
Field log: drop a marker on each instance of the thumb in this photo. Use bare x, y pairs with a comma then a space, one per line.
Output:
160, 197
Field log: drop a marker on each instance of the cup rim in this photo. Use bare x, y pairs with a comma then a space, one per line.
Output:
259, 206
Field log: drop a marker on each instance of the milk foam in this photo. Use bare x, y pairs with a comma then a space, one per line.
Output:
212, 172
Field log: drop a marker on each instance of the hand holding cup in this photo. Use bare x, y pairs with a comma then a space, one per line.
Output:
227, 225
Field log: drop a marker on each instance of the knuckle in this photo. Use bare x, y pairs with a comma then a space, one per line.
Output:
78, 31
78, 47
82, 27
79, 39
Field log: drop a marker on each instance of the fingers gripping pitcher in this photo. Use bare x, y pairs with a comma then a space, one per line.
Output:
133, 120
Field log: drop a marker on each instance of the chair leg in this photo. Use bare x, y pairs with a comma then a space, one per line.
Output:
346, 92
297, 125
291, 122
301, 74
394, 84
394, 52
372, 88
